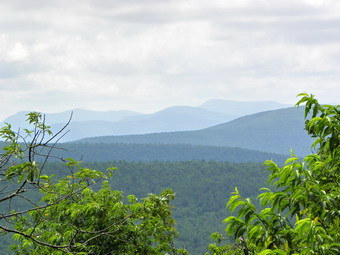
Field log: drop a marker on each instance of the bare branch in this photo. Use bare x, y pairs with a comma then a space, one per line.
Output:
43, 206
12, 195
61, 130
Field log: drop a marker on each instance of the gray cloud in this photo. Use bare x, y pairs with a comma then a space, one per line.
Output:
146, 55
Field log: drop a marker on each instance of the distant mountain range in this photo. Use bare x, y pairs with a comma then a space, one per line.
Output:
171, 119
275, 131
192, 132
87, 123
78, 115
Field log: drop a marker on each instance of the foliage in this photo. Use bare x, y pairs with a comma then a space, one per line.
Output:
19, 171
197, 216
69, 216
99, 222
201, 188
300, 215
226, 249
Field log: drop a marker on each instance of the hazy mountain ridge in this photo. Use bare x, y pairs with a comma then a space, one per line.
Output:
275, 131
240, 108
87, 123
76, 115
186, 111
171, 119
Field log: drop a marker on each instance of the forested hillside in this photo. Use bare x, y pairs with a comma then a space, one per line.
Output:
99, 152
201, 187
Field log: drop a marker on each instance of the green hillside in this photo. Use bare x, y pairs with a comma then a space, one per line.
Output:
202, 189
275, 131
99, 152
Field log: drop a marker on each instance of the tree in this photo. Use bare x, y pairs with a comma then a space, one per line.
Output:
300, 214
70, 215
20, 174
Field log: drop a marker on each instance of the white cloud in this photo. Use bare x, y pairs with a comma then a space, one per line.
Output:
146, 55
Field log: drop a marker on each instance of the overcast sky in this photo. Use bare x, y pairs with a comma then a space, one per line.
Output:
145, 55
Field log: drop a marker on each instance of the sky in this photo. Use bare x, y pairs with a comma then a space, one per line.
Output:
146, 55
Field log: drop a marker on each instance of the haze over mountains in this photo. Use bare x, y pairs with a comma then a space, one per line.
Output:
87, 123
239, 109
275, 131
260, 126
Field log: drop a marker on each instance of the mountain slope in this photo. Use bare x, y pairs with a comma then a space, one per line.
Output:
183, 112
274, 131
168, 120
239, 109
79, 115
86, 123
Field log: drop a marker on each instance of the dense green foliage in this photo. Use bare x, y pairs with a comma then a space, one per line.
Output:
201, 190
99, 222
300, 215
